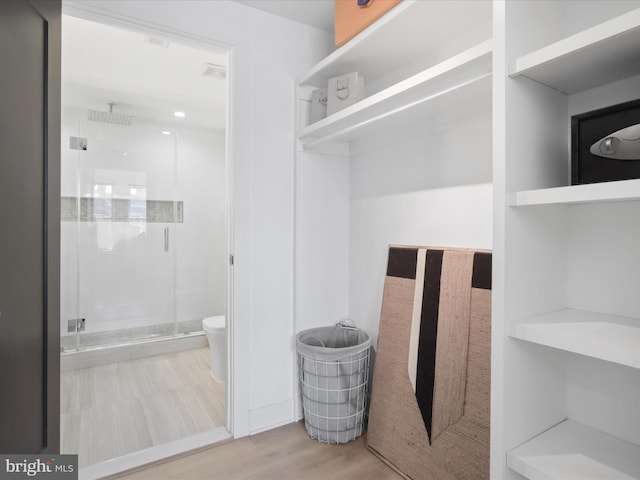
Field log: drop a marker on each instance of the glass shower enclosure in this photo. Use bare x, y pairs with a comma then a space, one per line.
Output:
122, 226
144, 182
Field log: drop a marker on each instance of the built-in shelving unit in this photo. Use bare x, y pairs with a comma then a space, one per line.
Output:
602, 54
571, 362
415, 71
571, 451
431, 63
450, 87
387, 46
592, 193
598, 335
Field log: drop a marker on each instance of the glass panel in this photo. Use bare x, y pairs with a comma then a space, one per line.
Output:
126, 217
201, 271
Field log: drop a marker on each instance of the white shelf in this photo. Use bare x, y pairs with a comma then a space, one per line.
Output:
452, 87
605, 53
566, 363
412, 30
598, 335
623, 190
572, 451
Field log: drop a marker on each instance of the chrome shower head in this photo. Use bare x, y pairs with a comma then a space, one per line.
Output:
111, 117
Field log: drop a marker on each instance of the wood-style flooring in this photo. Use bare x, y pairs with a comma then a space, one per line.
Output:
286, 453
111, 410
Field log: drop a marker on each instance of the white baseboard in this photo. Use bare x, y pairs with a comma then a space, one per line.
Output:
271, 416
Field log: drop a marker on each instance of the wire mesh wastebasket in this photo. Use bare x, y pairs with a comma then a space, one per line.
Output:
333, 367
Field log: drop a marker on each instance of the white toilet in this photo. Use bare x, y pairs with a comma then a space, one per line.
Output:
215, 328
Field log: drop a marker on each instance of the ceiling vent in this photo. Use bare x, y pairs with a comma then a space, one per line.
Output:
156, 42
213, 70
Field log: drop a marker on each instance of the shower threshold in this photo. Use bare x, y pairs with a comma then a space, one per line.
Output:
130, 349
108, 338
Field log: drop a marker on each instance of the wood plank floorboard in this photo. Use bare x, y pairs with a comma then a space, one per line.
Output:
111, 410
285, 453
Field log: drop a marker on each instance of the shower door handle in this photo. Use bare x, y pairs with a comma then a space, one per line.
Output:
166, 239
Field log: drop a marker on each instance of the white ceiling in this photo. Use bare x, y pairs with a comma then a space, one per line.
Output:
102, 64
316, 13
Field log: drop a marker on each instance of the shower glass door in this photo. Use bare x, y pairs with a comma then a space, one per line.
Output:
118, 230
144, 210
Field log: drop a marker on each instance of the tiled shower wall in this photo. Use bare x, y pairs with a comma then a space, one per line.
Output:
150, 243
121, 210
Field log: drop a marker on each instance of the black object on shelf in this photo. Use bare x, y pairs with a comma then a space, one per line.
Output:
605, 144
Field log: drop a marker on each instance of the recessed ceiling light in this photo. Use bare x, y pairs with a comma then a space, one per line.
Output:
164, 132
180, 114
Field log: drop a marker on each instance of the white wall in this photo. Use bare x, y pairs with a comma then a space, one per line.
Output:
322, 240
267, 54
201, 240
433, 189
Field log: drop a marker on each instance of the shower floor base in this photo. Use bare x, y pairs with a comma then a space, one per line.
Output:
126, 335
